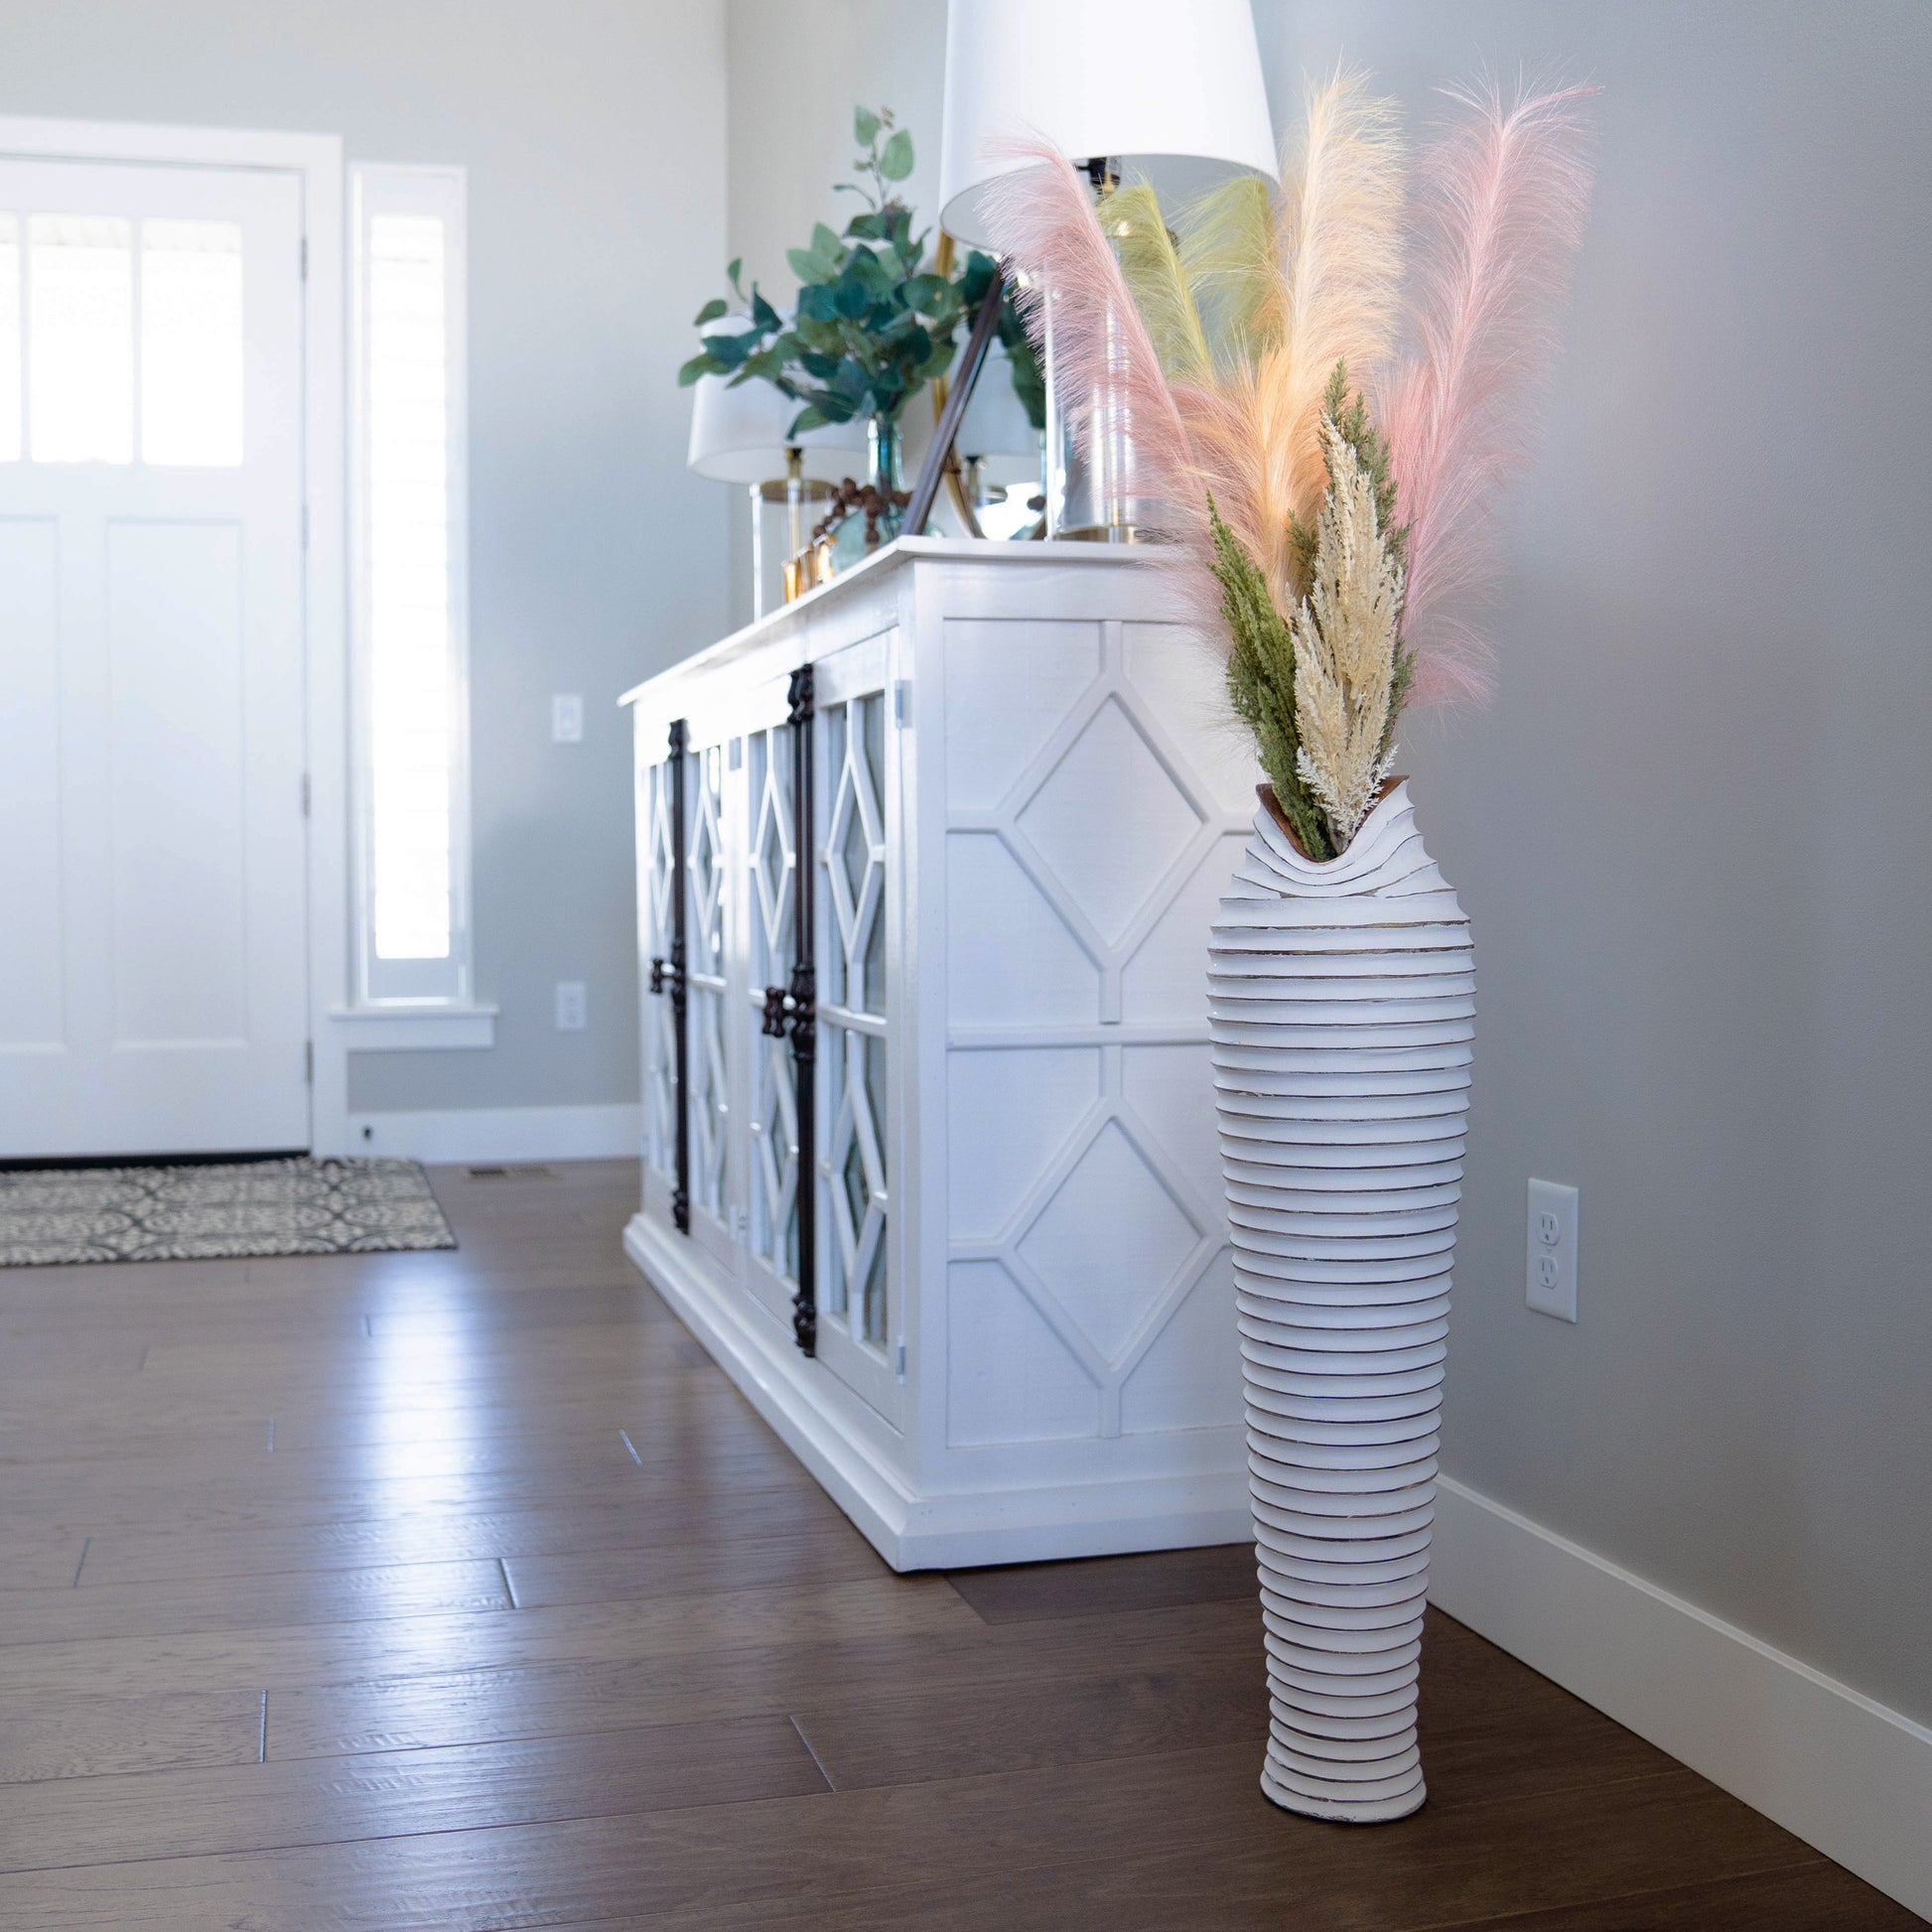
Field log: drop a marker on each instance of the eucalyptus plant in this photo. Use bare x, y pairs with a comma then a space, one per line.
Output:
872, 326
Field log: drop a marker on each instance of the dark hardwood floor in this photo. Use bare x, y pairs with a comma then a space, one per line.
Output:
460, 1592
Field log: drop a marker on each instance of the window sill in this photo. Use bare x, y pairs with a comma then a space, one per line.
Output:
381, 1030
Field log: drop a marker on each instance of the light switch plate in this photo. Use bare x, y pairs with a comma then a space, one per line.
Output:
567, 718
1550, 1258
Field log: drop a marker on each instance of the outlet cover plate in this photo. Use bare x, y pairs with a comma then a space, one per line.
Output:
570, 1006
567, 718
1550, 1254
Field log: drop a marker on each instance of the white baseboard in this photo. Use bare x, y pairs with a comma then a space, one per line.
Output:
501, 1133
927, 1532
1841, 1771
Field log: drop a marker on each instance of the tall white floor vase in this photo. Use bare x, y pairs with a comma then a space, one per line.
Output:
1341, 1002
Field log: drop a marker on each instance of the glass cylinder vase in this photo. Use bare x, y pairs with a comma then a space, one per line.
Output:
879, 517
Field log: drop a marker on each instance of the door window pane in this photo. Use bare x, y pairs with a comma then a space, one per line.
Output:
80, 322
191, 342
9, 339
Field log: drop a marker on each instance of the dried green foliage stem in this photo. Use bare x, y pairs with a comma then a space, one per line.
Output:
1261, 684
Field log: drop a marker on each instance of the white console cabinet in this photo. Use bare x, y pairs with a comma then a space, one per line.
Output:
1027, 800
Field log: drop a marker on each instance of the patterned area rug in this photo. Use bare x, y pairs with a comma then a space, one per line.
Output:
193, 1213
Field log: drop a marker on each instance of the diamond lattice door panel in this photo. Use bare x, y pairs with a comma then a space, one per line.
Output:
705, 871
853, 1017
775, 1142
659, 1018
857, 773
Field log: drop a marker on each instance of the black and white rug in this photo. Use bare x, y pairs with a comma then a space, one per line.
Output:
193, 1213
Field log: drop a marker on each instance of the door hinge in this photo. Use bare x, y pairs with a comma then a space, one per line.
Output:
901, 702
305, 526
309, 1062
304, 795
901, 1361
305, 258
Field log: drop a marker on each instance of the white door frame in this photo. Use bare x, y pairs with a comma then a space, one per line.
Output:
316, 160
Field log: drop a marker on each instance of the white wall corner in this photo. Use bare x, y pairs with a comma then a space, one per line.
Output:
1844, 1772
502, 1134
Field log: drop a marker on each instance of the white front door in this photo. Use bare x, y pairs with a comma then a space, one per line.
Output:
152, 987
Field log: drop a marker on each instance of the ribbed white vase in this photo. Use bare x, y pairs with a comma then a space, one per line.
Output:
1341, 998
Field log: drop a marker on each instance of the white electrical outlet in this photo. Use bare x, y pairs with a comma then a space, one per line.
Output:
570, 1006
567, 718
1551, 1250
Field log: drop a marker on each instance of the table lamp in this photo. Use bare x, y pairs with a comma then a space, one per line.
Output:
1106, 81
741, 435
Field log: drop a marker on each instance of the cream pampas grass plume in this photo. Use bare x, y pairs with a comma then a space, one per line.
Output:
1327, 293
1503, 196
1346, 646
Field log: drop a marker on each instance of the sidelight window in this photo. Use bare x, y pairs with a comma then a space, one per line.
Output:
410, 564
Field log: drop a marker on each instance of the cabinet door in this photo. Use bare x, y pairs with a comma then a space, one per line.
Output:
860, 1293
710, 920
772, 1147
656, 875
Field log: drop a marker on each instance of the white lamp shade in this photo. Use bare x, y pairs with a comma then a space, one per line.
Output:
738, 435
1133, 78
996, 421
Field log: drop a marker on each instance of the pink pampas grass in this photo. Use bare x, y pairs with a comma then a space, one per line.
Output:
1502, 200
1041, 218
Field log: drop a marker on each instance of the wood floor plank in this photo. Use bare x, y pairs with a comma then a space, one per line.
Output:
991, 1851
50, 1738
974, 1698
964, 1660
122, 1438
471, 1316
453, 1362
722, 1434
241, 1504
218, 1397
687, 1406
447, 1536
1023, 1725
828, 1552
41, 1559
335, 1653
1492, 1728
93, 1608
1478, 1708
1249, 1867
1816, 1896
31, 1360
267, 1807
1023, 1593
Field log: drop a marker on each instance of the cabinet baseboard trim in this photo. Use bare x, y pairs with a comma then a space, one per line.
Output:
1843, 1771
942, 1532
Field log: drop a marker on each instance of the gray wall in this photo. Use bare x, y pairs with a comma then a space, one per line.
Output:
594, 134
1693, 829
